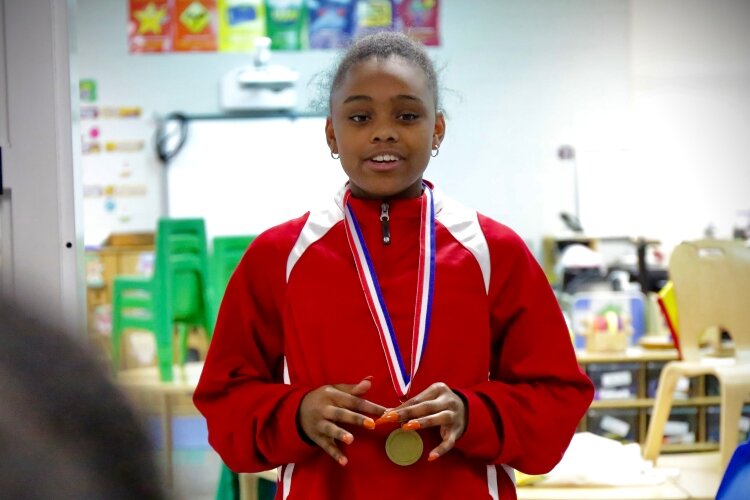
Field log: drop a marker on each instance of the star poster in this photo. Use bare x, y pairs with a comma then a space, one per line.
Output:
149, 26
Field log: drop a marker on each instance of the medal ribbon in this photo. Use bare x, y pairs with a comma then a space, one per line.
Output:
400, 376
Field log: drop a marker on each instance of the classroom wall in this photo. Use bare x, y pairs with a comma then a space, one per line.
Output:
633, 85
691, 107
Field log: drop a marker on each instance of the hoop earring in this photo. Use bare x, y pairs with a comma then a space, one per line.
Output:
335, 156
435, 151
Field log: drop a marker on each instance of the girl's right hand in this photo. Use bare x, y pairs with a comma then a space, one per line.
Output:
322, 409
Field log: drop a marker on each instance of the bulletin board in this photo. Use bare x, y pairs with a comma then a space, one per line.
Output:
244, 175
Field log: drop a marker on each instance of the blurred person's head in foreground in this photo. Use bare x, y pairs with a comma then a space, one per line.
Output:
66, 432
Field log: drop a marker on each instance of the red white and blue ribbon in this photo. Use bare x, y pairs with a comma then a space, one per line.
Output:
400, 374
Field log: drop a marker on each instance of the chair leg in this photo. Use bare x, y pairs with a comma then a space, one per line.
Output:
662, 408
116, 329
164, 345
182, 342
732, 399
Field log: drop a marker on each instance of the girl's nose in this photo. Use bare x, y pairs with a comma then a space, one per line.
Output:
384, 132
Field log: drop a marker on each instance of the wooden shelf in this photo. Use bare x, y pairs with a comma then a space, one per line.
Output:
633, 413
632, 355
649, 402
691, 447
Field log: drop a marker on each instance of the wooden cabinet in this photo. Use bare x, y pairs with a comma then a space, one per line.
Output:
102, 265
625, 385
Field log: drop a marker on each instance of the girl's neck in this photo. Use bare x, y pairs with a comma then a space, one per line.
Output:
413, 191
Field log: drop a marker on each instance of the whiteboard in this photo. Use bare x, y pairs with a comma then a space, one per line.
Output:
244, 175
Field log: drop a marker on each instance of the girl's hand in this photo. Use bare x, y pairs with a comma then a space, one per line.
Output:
322, 409
436, 406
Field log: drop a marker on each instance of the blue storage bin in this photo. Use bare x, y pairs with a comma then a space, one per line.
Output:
630, 304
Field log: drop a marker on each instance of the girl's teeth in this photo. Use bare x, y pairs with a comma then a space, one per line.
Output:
384, 158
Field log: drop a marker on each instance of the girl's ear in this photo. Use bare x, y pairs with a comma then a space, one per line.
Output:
439, 132
331, 136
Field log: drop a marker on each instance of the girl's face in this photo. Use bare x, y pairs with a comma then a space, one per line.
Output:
384, 126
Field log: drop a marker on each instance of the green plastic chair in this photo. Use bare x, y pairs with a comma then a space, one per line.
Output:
227, 253
178, 293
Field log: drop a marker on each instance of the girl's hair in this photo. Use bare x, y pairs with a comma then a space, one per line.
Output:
383, 45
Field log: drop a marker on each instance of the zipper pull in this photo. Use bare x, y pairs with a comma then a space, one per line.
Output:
385, 223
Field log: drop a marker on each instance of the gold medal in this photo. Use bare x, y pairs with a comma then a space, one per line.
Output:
403, 447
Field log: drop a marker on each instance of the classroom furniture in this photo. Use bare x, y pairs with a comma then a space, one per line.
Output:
226, 253
169, 398
625, 387
150, 391
552, 248
698, 479
177, 294
712, 289
120, 254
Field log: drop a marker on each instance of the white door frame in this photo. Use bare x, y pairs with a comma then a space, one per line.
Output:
41, 162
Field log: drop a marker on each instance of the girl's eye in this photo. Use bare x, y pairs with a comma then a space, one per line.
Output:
359, 118
408, 117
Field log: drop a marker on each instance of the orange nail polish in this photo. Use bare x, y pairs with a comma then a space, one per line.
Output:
348, 438
343, 461
368, 423
388, 417
411, 425
433, 456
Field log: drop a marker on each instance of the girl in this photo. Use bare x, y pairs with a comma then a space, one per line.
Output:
395, 344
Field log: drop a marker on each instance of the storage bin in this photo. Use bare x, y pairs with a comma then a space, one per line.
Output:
713, 414
630, 308
712, 385
617, 423
686, 387
614, 380
681, 427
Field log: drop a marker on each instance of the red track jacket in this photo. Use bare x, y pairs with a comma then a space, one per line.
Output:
294, 318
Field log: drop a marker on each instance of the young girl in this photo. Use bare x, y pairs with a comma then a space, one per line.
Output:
395, 344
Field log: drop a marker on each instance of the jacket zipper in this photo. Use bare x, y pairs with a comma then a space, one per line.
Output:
385, 223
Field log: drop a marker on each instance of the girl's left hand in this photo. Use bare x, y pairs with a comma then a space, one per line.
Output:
436, 406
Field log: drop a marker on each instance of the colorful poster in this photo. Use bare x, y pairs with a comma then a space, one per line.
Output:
195, 26
419, 19
330, 23
240, 23
149, 27
372, 16
285, 23
87, 90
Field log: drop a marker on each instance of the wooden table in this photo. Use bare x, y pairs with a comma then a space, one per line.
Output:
698, 480
145, 382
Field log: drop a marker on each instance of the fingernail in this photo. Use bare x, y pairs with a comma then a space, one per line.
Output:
388, 417
368, 378
348, 438
411, 425
368, 423
433, 456
343, 461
